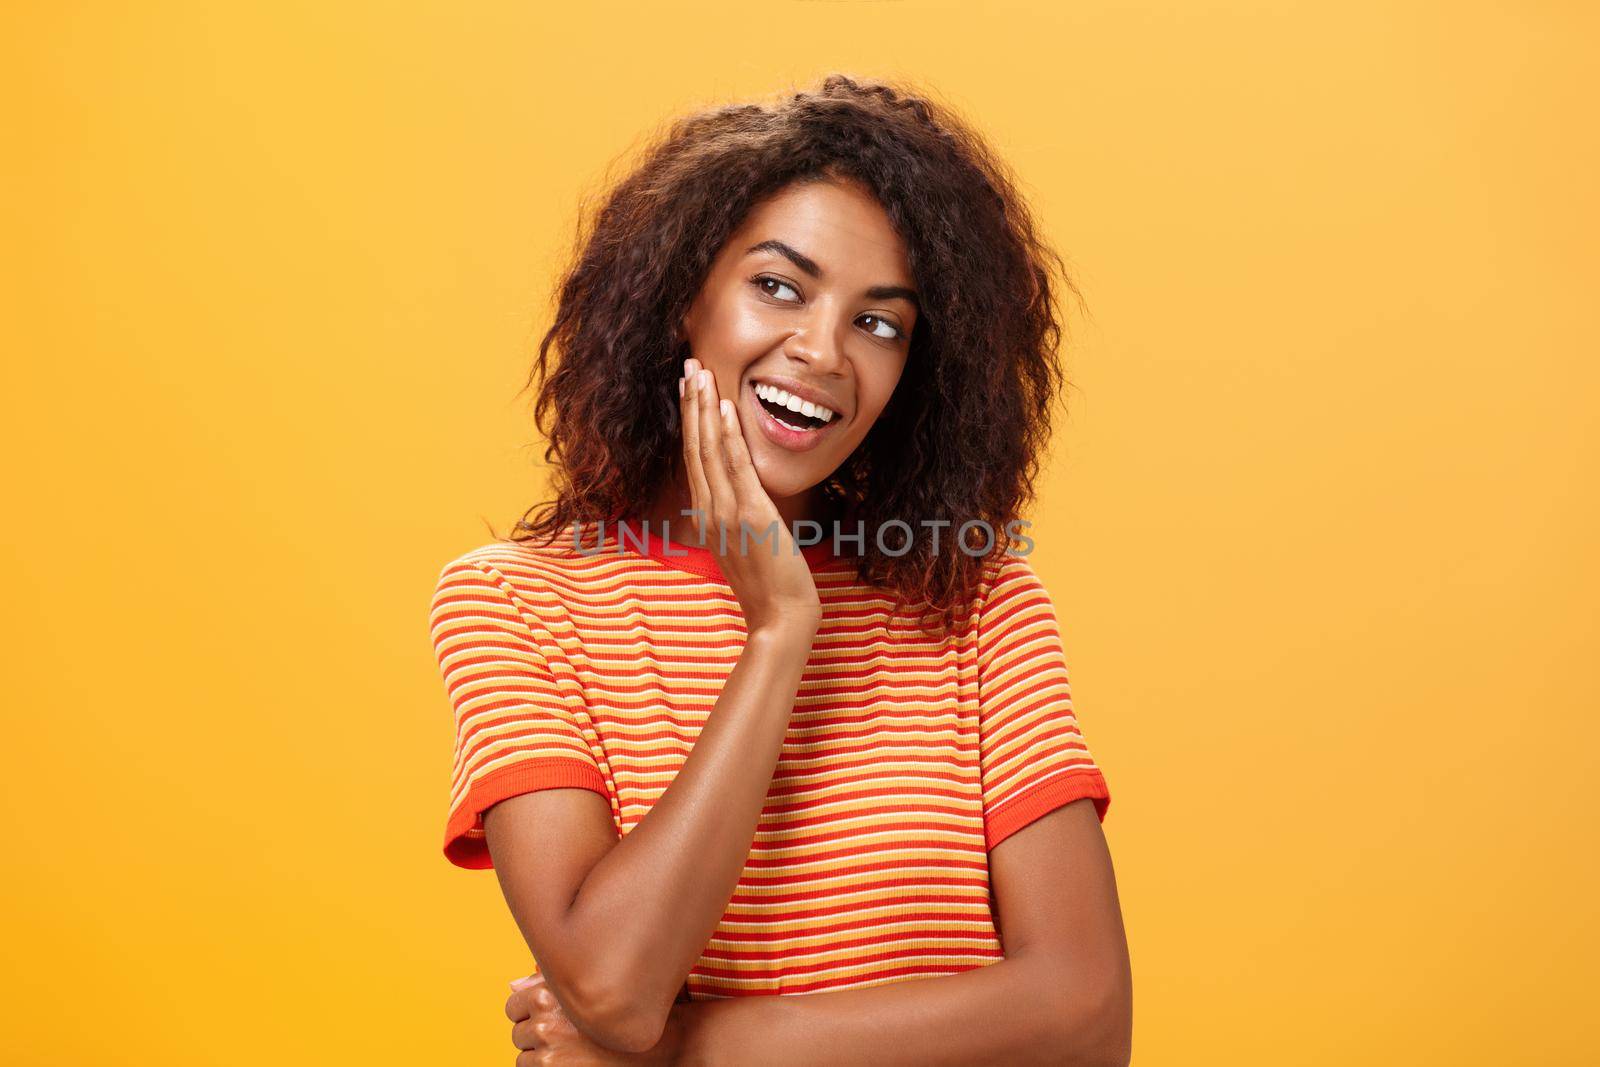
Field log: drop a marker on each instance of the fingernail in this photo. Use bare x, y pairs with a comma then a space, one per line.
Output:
520, 982
680, 386
704, 378
726, 406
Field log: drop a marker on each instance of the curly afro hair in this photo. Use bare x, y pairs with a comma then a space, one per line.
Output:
961, 437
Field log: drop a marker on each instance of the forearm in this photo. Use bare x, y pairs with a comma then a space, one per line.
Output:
646, 910
1014, 1012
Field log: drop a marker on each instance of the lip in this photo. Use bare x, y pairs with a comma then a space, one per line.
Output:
777, 432
804, 392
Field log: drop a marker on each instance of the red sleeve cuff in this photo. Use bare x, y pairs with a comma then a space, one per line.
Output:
464, 842
1040, 800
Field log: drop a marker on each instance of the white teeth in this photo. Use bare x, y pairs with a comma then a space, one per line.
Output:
785, 399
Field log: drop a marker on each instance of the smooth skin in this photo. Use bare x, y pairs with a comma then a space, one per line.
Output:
616, 925
845, 331
613, 959
1063, 994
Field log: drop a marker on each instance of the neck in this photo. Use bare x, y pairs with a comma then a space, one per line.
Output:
673, 499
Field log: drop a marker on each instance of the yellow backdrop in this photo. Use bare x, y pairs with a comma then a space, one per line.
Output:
1321, 521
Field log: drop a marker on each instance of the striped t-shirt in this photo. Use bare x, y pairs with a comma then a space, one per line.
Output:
908, 756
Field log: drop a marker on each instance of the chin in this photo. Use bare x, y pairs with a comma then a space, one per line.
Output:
780, 487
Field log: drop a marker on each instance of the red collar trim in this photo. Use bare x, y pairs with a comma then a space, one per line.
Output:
644, 541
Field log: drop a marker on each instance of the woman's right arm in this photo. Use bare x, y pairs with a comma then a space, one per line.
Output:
616, 926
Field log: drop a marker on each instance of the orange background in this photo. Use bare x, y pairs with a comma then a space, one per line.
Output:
1321, 521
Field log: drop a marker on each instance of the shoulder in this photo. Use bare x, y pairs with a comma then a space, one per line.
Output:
517, 555
526, 571
538, 562
1006, 576
503, 587
554, 577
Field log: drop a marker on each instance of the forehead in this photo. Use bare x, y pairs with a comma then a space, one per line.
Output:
839, 224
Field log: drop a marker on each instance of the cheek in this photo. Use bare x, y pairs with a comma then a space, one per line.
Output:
734, 332
876, 385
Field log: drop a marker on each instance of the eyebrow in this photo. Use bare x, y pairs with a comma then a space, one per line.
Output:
799, 259
892, 292
809, 265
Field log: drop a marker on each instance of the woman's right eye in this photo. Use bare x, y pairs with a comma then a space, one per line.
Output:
775, 288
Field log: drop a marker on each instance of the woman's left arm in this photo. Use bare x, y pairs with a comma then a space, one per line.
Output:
1063, 994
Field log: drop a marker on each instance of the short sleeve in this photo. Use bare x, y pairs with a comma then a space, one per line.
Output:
518, 727
1032, 755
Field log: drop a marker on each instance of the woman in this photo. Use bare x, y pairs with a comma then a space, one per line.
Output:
709, 768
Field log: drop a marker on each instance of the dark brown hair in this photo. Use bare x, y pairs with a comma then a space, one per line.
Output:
960, 437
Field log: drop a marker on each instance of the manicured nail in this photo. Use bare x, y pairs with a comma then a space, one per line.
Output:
520, 982
726, 406
680, 387
704, 378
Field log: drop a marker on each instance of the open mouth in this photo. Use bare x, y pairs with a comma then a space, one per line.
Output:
793, 418
787, 421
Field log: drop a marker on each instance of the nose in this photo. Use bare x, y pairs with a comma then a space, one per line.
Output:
817, 342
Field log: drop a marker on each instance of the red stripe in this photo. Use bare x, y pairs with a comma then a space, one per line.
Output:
601, 672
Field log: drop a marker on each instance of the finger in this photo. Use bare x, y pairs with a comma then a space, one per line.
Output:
524, 1035
714, 464
519, 1005
741, 468
690, 422
750, 495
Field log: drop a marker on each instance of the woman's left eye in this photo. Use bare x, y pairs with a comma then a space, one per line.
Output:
890, 330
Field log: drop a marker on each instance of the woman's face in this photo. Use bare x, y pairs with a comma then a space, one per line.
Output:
812, 295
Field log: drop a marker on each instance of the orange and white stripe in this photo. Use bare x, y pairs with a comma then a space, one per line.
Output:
908, 757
